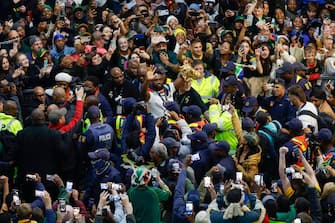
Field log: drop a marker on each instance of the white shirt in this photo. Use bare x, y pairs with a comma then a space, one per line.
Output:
156, 101
307, 119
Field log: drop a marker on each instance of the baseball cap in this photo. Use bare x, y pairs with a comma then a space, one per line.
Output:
62, 76
247, 123
249, 103
287, 67
194, 6
42, 52
172, 106
220, 145
56, 114
103, 154
230, 80
77, 8
294, 124
227, 67
170, 143
279, 81
209, 127
93, 112
160, 69
128, 102
225, 32
193, 110
58, 36
199, 136
325, 134
299, 66
239, 18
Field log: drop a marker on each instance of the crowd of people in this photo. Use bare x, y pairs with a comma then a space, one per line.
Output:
152, 111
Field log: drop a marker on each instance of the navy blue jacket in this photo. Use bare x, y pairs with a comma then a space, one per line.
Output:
149, 124
280, 109
105, 107
178, 211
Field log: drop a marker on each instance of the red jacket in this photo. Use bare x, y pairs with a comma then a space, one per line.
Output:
76, 118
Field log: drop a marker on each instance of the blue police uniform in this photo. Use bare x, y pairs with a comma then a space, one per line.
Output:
98, 136
302, 82
279, 109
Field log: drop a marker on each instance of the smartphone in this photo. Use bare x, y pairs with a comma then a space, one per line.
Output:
94, 48
250, 18
50, 177
103, 186
164, 12
116, 187
207, 181
16, 199
257, 179
62, 205
239, 176
195, 157
189, 208
69, 185
39, 193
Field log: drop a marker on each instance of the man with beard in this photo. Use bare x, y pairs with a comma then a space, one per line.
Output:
159, 92
118, 88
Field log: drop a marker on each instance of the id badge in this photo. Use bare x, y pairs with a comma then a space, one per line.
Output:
119, 109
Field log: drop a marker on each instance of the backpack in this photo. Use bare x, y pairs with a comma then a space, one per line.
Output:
7, 141
323, 119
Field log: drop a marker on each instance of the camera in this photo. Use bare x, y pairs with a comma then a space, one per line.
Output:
289, 171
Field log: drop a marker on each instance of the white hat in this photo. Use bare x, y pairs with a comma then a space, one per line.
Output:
202, 217
170, 18
63, 77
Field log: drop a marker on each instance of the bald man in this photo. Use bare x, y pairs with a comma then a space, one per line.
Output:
117, 88
8, 118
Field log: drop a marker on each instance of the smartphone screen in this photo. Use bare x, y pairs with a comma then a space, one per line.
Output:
189, 208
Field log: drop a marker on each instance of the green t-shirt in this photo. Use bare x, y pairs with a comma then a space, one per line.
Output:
146, 203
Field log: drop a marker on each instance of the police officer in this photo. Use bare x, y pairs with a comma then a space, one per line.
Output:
99, 135
278, 104
193, 117
287, 73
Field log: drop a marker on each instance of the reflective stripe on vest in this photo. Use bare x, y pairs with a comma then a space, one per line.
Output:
120, 121
198, 125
